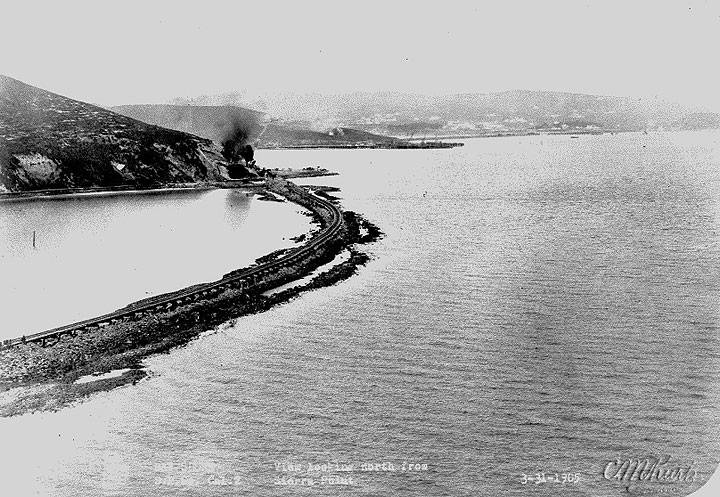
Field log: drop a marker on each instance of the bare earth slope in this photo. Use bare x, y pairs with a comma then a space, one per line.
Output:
50, 141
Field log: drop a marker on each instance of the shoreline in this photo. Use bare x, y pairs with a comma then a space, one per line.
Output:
258, 186
290, 173
68, 193
37, 378
98, 191
374, 146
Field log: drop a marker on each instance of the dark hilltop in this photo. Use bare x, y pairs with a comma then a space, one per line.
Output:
48, 141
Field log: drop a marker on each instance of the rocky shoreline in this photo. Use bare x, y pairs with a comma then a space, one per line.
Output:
36, 378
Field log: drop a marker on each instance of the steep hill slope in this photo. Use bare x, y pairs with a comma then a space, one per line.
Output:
50, 141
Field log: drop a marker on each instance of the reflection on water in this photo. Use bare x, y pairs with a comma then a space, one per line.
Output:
94, 254
538, 304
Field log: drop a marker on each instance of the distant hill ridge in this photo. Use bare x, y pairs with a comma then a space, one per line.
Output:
50, 141
512, 111
217, 123
229, 122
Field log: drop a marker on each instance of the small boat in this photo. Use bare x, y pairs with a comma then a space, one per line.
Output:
574, 136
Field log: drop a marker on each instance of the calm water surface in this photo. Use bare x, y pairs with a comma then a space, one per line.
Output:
95, 254
539, 304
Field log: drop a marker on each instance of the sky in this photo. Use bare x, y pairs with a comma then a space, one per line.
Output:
113, 53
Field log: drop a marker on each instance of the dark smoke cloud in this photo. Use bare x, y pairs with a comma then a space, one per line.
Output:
240, 126
239, 132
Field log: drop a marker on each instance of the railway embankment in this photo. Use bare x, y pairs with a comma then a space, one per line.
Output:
41, 374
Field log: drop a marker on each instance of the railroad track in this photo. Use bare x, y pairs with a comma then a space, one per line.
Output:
244, 280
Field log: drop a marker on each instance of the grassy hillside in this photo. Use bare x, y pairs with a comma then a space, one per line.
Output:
50, 141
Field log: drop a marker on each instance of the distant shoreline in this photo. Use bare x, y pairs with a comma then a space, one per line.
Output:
503, 134
374, 146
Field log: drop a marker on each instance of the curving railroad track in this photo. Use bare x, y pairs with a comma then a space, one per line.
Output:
244, 280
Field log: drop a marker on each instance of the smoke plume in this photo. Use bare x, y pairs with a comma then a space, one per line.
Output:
239, 132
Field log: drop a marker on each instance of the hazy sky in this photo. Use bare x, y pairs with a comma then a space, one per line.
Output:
150, 51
